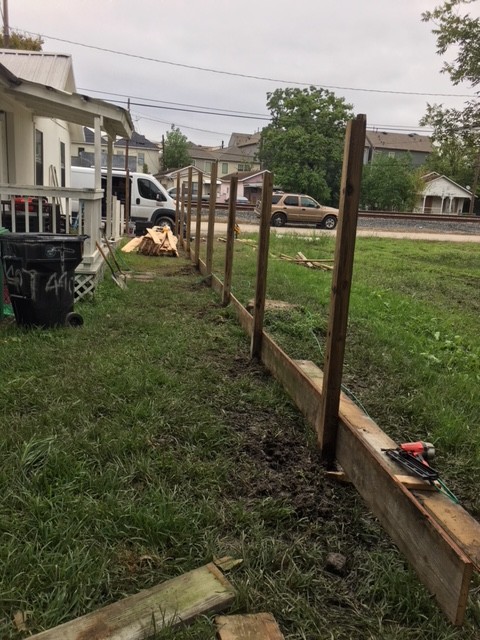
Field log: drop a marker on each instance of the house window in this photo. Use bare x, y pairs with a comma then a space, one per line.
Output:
193, 163
224, 168
62, 165
208, 165
243, 166
38, 157
141, 159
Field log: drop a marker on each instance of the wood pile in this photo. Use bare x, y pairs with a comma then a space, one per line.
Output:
157, 241
311, 263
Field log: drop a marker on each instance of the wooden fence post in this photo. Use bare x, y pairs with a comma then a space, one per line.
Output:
198, 221
189, 211
211, 218
341, 284
177, 206
182, 217
232, 209
262, 263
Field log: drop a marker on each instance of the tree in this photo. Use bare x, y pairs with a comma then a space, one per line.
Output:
460, 33
389, 184
456, 143
303, 145
175, 149
18, 41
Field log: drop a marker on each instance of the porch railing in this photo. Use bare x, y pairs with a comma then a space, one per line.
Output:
35, 209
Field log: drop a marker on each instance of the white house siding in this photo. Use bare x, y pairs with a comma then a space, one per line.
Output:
20, 147
54, 132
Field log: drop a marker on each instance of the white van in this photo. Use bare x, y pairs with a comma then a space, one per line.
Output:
150, 203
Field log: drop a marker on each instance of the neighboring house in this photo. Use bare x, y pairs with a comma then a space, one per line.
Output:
40, 112
169, 180
143, 155
250, 185
442, 195
230, 159
397, 145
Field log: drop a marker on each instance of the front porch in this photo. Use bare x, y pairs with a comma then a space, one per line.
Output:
33, 209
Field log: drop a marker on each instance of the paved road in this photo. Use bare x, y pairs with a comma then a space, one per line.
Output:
221, 229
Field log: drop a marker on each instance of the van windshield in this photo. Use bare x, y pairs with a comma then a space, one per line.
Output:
149, 190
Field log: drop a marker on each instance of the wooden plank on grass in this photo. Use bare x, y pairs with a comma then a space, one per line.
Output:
171, 604
255, 626
440, 564
457, 522
132, 245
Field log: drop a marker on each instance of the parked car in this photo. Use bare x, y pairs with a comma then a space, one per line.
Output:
172, 192
301, 209
240, 200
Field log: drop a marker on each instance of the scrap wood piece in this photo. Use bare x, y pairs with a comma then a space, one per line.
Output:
176, 602
304, 259
226, 563
256, 626
132, 245
273, 305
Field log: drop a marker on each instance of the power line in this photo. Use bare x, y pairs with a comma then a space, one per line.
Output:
178, 104
248, 76
180, 126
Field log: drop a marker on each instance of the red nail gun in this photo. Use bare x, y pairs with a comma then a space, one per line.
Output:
413, 456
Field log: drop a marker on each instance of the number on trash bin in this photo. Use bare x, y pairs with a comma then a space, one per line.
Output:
58, 283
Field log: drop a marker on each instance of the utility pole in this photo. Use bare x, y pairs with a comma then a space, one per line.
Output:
6, 29
127, 181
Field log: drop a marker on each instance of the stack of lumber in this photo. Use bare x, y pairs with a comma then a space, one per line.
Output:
158, 241
311, 263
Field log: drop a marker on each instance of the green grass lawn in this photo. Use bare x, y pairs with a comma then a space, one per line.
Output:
145, 443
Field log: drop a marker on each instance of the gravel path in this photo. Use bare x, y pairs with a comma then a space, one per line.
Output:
386, 224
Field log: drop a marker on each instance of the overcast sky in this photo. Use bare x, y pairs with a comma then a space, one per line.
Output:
351, 47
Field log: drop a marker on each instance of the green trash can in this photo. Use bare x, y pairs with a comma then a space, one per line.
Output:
5, 307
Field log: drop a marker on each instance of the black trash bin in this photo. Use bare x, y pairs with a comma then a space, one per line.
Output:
39, 270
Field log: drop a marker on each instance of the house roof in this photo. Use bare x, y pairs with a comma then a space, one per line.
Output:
240, 139
433, 176
398, 141
137, 141
50, 69
49, 102
227, 154
242, 175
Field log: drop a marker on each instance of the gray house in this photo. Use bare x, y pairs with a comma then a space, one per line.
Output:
397, 145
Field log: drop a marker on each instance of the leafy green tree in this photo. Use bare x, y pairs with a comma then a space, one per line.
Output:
456, 143
303, 145
389, 184
175, 150
458, 33
20, 41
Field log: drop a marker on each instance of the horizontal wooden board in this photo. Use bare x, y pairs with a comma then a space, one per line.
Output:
459, 524
175, 602
440, 564
255, 626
